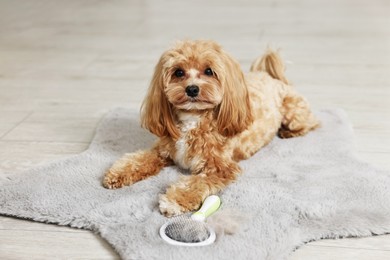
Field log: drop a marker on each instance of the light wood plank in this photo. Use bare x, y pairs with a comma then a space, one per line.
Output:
371, 243
330, 253
48, 245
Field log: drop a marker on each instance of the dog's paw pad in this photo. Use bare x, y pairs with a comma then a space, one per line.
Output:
112, 181
169, 208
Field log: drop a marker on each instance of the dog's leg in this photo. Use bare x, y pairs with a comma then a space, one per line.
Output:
190, 191
297, 117
133, 167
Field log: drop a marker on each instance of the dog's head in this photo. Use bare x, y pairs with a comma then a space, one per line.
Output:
196, 76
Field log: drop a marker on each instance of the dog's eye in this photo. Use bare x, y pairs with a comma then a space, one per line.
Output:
209, 72
179, 73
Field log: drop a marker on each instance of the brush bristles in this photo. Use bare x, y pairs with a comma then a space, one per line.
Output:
187, 230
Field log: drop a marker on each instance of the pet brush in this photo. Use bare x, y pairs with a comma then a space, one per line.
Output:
192, 231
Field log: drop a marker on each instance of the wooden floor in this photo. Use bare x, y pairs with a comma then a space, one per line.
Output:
63, 63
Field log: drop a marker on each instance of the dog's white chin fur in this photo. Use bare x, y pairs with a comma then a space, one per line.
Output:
195, 105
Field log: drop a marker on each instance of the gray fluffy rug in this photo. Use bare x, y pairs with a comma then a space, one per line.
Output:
293, 191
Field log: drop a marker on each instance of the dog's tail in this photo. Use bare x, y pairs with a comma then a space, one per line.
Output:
271, 63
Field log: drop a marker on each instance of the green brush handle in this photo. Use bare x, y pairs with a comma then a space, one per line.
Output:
210, 205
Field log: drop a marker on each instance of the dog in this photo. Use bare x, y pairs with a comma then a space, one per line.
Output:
209, 116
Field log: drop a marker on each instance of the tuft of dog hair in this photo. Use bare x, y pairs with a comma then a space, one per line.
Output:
228, 221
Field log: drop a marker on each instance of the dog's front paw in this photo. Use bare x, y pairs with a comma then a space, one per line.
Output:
114, 180
169, 208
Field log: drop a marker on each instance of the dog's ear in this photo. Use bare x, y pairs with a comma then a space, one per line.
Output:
156, 111
234, 112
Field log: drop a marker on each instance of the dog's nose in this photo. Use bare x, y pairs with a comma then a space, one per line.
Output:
192, 90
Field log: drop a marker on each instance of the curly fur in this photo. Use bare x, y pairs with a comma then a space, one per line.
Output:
230, 119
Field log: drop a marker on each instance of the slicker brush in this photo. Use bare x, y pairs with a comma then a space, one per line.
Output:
192, 231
